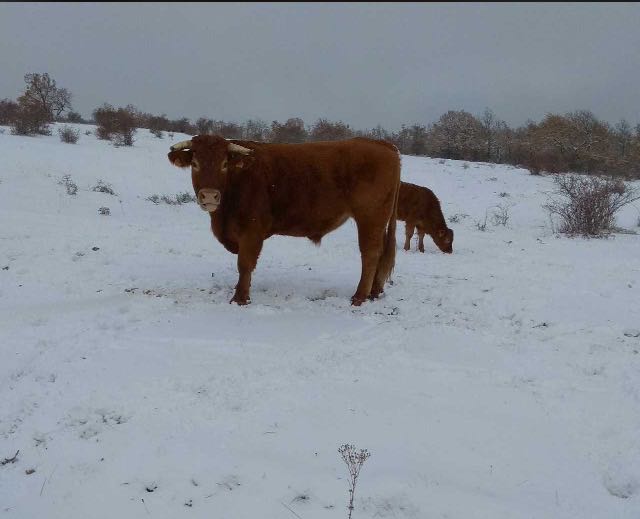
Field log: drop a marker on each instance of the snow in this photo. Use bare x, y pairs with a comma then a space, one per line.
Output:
502, 381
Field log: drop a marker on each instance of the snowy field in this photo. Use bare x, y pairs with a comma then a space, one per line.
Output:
499, 382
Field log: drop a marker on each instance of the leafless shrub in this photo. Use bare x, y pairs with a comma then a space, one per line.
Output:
500, 215
88, 132
103, 187
184, 198
178, 199
442, 161
354, 461
105, 211
68, 135
481, 225
70, 185
457, 217
587, 205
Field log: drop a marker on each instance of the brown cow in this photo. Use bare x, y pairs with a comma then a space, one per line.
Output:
255, 190
420, 208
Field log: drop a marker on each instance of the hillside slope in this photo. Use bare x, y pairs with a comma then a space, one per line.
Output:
496, 382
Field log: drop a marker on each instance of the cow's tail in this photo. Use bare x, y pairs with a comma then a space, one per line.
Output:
388, 258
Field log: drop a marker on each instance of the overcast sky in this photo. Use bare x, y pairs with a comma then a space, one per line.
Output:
362, 63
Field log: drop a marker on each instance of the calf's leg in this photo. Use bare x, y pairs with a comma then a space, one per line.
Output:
408, 234
421, 234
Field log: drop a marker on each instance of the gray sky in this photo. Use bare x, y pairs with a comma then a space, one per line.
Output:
362, 63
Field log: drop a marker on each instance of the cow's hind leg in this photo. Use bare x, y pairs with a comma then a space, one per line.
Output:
249, 250
408, 234
370, 240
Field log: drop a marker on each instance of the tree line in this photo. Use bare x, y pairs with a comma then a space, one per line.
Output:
572, 142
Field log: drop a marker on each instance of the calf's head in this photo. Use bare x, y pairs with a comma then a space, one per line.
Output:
443, 238
210, 158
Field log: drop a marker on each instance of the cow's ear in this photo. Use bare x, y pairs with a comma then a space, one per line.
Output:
181, 158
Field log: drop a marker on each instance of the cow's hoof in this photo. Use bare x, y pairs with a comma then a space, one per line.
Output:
375, 294
240, 301
357, 301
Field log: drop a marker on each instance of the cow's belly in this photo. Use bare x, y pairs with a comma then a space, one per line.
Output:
314, 230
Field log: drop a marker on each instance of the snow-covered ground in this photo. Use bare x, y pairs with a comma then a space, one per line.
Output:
496, 382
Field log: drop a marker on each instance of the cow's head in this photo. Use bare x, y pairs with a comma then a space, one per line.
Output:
443, 238
210, 157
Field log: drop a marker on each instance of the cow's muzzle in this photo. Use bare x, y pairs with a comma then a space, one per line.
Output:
209, 199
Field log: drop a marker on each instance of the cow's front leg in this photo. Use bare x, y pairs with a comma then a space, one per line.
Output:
370, 240
248, 252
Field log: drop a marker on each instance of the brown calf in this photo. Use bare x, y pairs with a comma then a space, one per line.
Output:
254, 190
420, 208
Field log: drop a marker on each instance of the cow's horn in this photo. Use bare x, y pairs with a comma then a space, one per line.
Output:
181, 146
239, 149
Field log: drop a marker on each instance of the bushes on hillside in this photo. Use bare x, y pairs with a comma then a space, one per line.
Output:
116, 125
8, 110
30, 120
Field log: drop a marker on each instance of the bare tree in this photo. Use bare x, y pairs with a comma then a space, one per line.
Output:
457, 135
490, 127
402, 139
204, 126
74, 117
42, 91
623, 136
8, 110
292, 130
378, 133
183, 126
228, 130
255, 130
325, 130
